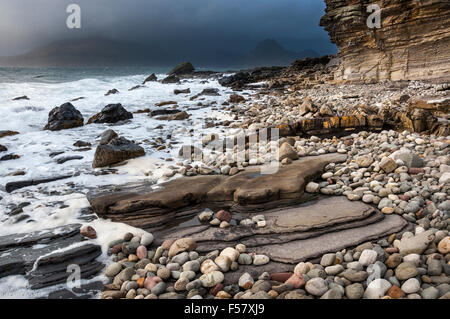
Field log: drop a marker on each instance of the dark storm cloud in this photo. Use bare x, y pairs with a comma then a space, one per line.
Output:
234, 25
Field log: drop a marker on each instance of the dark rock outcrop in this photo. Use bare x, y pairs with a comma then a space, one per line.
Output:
64, 117
8, 133
3, 148
36, 255
115, 151
111, 92
171, 79
150, 78
20, 98
182, 69
12, 186
412, 43
112, 113
9, 157
241, 79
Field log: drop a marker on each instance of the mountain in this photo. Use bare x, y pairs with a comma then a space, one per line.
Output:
103, 52
270, 53
91, 52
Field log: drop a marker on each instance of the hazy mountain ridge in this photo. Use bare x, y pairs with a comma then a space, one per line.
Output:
105, 52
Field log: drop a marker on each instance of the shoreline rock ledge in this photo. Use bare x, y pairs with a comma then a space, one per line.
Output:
319, 226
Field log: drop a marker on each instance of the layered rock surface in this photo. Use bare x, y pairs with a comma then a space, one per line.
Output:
412, 43
43, 256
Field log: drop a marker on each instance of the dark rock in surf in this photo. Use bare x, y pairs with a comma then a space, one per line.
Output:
113, 91
12, 186
3, 148
112, 113
115, 151
9, 157
151, 78
182, 69
20, 98
171, 79
64, 117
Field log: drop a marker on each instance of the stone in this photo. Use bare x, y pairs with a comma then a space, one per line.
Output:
246, 281
259, 260
141, 252
211, 279
416, 244
287, 151
182, 245
182, 69
364, 161
205, 215
297, 281
409, 158
354, 291
159, 288
316, 286
411, 286
444, 246
327, 260
117, 150
112, 113
333, 293
405, 271
395, 292
64, 117
430, 293
208, 266
368, 257
223, 262
88, 232
301, 269
393, 260
377, 289
312, 187
163, 273
245, 259
151, 282
231, 253
113, 269
151, 78
192, 265
223, 215
146, 239
388, 165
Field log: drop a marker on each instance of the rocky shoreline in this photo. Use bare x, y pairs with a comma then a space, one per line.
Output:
358, 206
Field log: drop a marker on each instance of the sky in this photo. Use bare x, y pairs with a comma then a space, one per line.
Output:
233, 25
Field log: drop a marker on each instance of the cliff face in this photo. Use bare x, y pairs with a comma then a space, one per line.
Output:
413, 42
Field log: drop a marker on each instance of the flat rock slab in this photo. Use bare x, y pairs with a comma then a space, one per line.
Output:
296, 251
43, 256
284, 224
248, 188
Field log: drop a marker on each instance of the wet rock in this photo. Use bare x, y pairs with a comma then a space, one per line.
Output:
185, 91
111, 92
117, 150
112, 113
182, 69
150, 78
64, 117
88, 232
8, 133
3, 148
171, 79
12, 186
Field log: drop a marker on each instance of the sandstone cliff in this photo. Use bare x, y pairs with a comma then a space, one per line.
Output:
412, 44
